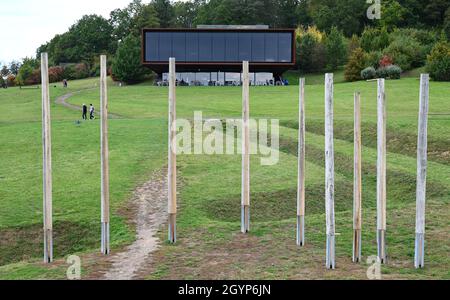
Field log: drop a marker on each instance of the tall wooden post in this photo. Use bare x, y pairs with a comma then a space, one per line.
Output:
381, 170
104, 157
47, 162
357, 192
245, 228
329, 171
422, 147
301, 167
172, 175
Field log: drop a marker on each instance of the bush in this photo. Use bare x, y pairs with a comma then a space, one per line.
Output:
438, 62
11, 80
373, 39
386, 61
373, 59
127, 65
355, 65
368, 73
406, 52
426, 38
389, 72
81, 71
55, 74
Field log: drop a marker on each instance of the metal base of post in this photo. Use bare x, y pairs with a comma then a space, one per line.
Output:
245, 227
331, 252
300, 231
172, 228
419, 261
105, 239
381, 238
48, 246
357, 246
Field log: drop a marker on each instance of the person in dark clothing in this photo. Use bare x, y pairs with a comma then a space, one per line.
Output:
85, 111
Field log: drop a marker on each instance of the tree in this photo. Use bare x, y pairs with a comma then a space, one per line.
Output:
165, 12
438, 62
186, 13
355, 65
336, 50
5, 71
127, 65
14, 67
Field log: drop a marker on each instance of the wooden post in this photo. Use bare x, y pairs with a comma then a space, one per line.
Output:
245, 228
381, 170
422, 148
104, 157
357, 192
47, 162
172, 175
301, 167
329, 171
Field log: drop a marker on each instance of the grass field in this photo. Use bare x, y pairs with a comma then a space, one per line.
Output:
210, 246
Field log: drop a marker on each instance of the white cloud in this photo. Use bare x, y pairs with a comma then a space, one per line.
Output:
27, 24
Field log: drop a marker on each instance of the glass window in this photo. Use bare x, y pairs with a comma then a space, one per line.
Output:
218, 44
258, 47
152, 46
165, 46
179, 46
205, 46
232, 47
192, 46
284, 47
245, 46
271, 47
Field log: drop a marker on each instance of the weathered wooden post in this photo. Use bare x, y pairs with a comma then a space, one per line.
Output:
172, 175
105, 248
245, 228
301, 168
422, 147
329, 171
381, 170
357, 189
47, 162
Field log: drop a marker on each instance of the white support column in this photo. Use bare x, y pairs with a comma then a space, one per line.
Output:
422, 148
357, 189
329, 171
381, 170
245, 228
47, 162
301, 208
172, 177
105, 247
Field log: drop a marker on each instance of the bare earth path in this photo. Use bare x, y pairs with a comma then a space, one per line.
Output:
151, 203
63, 101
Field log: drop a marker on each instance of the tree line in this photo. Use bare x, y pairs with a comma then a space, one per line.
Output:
74, 54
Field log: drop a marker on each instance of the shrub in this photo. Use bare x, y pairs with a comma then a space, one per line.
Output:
426, 38
127, 65
311, 52
373, 39
11, 80
368, 73
55, 74
438, 62
406, 52
389, 72
355, 65
81, 71
373, 59
386, 61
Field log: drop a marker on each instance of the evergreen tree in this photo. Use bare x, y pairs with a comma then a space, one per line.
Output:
336, 50
127, 65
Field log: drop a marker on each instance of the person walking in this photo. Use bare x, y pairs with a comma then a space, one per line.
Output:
85, 110
92, 112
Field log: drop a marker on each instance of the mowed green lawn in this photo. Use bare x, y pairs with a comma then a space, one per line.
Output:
210, 246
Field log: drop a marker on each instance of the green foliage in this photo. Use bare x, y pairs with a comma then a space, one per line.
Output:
368, 73
438, 62
389, 72
311, 52
373, 59
165, 12
336, 49
26, 70
406, 52
355, 65
127, 66
374, 39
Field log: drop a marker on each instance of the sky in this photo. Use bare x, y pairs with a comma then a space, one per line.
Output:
27, 24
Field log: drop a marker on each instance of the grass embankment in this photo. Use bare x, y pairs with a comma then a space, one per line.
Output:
210, 246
